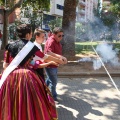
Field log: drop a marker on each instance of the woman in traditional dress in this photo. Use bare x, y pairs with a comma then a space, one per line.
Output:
23, 94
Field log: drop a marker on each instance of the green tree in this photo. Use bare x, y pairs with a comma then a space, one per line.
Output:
115, 7
108, 13
11, 5
8, 9
34, 16
68, 25
55, 23
79, 31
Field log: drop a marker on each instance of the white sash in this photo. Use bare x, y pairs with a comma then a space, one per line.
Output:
16, 61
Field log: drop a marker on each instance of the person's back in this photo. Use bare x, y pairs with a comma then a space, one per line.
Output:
23, 94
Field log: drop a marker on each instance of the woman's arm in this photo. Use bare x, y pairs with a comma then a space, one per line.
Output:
38, 64
47, 58
47, 64
6, 59
5, 65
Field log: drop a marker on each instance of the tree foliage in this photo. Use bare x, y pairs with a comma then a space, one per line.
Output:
36, 4
110, 13
115, 7
33, 16
55, 23
11, 5
110, 18
115, 1
43, 5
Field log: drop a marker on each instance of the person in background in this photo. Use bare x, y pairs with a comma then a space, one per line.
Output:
49, 33
0, 39
0, 35
53, 47
23, 94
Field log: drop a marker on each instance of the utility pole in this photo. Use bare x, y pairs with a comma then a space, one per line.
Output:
41, 15
99, 7
1, 20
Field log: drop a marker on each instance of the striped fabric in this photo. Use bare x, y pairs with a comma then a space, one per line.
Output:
25, 96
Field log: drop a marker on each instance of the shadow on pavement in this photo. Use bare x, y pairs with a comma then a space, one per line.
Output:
74, 109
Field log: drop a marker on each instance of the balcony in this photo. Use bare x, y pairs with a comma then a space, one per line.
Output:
82, 3
82, 12
106, 2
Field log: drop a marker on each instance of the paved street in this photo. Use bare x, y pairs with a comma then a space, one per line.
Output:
88, 99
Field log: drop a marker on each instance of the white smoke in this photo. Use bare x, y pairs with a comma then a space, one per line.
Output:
107, 54
85, 59
97, 64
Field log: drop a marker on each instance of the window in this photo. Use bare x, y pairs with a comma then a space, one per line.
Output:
60, 7
47, 18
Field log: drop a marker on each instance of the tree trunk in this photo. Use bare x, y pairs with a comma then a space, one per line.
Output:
6, 14
5, 30
68, 25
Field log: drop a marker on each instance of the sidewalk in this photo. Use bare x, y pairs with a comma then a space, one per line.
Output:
84, 97
88, 99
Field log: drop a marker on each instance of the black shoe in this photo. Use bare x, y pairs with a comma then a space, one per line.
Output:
57, 100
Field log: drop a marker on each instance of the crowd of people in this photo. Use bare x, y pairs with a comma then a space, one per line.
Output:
25, 94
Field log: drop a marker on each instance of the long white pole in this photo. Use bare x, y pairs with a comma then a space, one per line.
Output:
5, 4
106, 69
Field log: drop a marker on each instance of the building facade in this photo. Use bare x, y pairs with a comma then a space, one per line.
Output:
56, 10
85, 10
1, 20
